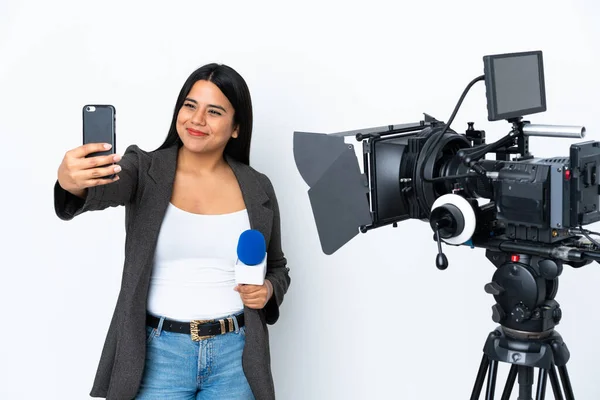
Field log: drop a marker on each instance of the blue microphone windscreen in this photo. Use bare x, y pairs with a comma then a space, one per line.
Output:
251, 247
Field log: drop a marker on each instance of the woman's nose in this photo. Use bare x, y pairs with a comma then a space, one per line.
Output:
198, 118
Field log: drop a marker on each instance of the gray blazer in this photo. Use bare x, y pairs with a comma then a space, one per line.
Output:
145, 188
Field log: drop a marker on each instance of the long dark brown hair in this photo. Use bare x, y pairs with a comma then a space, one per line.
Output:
234, 87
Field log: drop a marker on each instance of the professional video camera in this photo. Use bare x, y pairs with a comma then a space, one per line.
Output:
531, 224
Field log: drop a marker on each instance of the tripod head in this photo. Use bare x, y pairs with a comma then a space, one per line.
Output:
524, 288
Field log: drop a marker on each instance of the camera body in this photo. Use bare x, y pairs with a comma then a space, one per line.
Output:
537, 200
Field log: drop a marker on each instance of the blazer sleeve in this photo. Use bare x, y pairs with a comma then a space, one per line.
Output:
67, 206
277, 270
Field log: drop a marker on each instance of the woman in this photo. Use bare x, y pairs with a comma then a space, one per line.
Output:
186, 205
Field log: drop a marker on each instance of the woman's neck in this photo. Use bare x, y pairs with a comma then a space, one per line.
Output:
200, 164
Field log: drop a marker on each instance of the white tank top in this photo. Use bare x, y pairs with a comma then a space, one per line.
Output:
193, 274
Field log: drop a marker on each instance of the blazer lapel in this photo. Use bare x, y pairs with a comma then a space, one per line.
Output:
157, 193
162, 169
255, 197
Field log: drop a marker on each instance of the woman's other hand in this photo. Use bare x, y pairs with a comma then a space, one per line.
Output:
255, 296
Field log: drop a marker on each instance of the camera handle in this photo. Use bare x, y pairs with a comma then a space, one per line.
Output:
503, 147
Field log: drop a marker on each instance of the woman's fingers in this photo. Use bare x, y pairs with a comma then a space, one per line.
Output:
89, 148
100, 181
95, 173
99, 161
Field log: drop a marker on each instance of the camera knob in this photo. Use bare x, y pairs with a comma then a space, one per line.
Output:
520, 313
498, 313
557, 315
493, 288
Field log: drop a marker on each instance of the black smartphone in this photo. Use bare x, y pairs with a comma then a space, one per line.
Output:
99, 122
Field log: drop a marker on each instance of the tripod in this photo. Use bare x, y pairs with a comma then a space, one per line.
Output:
524, 288
547, 352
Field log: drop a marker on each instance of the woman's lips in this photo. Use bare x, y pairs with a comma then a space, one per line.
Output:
194, 132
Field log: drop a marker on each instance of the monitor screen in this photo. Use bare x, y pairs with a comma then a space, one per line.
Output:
514, 85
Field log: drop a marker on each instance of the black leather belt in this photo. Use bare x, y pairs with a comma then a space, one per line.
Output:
198, 329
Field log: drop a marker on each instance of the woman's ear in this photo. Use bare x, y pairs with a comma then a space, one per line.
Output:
235, 132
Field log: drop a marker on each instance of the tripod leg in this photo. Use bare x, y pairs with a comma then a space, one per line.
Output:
485, 362
510, 383
555, 383
542, 379
491, 386
525, 382
564, 377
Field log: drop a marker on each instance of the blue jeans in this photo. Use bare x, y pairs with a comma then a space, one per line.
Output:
179, 368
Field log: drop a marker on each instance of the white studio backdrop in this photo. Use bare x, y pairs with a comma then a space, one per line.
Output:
374, 320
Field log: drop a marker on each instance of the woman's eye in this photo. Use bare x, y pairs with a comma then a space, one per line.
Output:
214, 112
188, 105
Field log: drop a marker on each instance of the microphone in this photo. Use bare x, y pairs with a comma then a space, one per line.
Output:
251, 264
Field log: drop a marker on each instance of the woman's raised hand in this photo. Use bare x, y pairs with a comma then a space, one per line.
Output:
76, 173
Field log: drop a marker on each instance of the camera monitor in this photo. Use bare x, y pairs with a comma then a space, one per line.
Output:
514, 85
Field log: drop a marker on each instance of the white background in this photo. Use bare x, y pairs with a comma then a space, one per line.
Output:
374, 320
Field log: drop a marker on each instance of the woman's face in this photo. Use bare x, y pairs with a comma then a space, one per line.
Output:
205, 121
